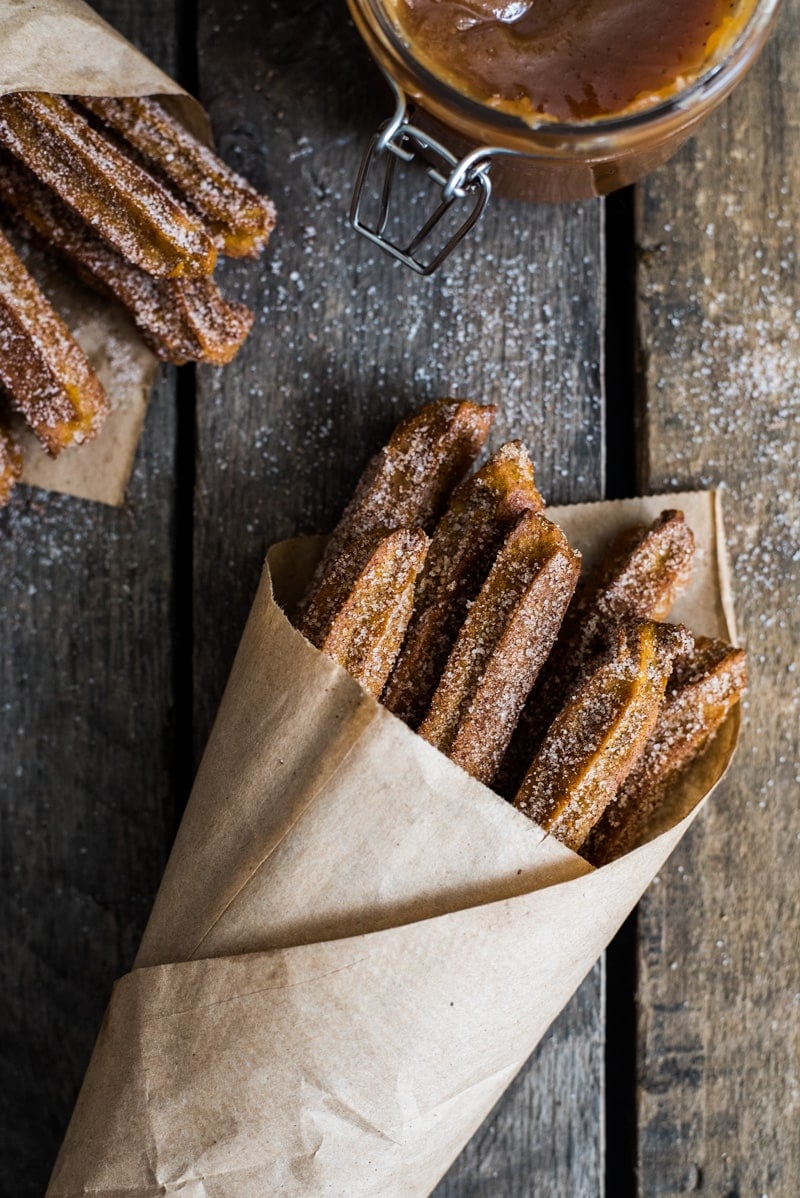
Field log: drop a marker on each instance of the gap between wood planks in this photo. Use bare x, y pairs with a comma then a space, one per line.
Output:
621, 482
182, 755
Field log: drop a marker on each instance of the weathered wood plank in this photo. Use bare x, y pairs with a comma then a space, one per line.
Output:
86, 682
719, 1024
346, 343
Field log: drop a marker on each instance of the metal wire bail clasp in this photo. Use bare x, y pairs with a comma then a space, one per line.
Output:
460, 179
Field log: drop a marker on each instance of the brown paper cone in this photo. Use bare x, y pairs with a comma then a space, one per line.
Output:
355, 946
64, 47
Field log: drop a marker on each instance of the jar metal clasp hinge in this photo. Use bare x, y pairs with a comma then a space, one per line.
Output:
460, 179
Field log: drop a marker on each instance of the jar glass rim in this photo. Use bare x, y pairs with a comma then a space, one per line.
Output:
706, 86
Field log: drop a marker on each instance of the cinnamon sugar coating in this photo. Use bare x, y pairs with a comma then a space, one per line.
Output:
360, 612
478, 644
10, 464
408, 483
464, 544
641, 575
239, 219
125, 206
644, 571
182, 320
45, 371
705, 685
217, 327
595, 740
505, 639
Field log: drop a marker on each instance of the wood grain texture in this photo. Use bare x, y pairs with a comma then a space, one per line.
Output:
346, 343
719, 997
86, 682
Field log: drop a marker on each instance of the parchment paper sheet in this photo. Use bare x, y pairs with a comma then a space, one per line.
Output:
355, 946
64, 47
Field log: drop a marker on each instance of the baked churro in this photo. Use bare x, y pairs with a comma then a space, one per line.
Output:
46, 373
216, 326
125, 206
138, 208
639, 578
360, 612
480, 639
182, 320
595, 740
10, 464
482, 510
239, 219
644, 571
505, 640
705, 685
408, 483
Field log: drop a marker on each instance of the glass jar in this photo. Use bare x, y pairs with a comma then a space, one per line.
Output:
469, 147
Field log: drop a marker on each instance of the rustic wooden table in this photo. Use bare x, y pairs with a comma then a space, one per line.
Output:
650, 343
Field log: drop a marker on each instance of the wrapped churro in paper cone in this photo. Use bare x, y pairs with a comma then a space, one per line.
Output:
355, 946
64, 47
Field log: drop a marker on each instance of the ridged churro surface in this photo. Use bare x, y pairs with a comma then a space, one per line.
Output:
10, 464
45, 372
705, 685
360, 612
595, 740
482, 510
182, 320
641, 575
409, 482
505, 640
125, 206
238, 217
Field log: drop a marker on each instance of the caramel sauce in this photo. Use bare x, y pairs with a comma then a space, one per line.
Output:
567, 59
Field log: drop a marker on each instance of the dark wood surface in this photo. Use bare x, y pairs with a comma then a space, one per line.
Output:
87, 680
121, 625
719, 1013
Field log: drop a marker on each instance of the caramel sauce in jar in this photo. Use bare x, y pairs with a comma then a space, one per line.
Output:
568, 98
567, 60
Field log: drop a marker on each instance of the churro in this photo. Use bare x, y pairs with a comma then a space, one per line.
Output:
124, 205
619, 706
704, 686
217, 326
10, 464
594, 742
45, 371
238, 217
465, 542
640, 577
644, 571
182, 320
408, 483
359, 613
505, 639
